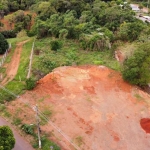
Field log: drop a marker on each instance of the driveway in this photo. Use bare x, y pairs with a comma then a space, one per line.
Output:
21, 143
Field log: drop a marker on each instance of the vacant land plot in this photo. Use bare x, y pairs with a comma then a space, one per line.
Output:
92, 105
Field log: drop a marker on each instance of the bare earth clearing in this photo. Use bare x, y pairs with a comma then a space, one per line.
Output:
93, 106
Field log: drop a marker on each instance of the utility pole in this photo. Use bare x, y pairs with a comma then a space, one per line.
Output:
38, 125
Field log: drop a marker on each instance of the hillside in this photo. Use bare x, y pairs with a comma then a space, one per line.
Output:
84, 65
92, 105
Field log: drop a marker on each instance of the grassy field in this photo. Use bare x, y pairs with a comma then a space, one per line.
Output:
70, 54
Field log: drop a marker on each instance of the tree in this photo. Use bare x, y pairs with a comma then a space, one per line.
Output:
136, 68
3, 44
131, 31
7, 140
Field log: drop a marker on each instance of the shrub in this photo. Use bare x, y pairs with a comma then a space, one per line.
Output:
22, 33
8, 34
7, 140
136, 68
3, 44
16, 121
55, 45
30, 83
29, 129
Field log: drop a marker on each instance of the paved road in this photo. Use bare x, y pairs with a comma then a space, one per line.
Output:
21, 144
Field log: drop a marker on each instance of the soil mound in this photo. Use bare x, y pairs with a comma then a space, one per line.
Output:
93, 106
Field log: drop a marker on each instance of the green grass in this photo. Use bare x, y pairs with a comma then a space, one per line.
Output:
17, 85
24, 62
138, 96
79, 140
46, 143
70, 54
127, 48
16, 121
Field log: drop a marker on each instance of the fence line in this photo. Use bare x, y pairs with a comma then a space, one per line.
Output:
30, 64
5, 55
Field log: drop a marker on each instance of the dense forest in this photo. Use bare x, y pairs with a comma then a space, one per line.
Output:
94, 24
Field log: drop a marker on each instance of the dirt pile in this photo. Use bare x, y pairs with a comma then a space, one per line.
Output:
93, 106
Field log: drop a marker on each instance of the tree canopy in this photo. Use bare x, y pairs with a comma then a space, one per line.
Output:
137, 67
3, 44
7, 140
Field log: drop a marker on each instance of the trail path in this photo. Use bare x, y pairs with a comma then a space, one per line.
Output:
12, 68
20, 144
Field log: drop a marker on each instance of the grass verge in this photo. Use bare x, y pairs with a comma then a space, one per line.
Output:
17, 85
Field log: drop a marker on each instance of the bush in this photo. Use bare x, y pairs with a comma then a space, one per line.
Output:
29, 129
56, 44
3, 44
22, 33
30, 83
136, 68
7, 140
8, 34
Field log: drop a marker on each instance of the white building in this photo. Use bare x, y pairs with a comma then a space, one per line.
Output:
134, 8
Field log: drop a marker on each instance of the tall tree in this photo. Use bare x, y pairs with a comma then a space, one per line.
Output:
7, 140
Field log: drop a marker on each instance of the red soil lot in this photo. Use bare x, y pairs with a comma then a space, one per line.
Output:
93, 103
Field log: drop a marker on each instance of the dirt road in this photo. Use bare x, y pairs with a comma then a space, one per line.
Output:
12, 68
21, 144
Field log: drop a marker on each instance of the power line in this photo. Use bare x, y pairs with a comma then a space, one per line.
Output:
42, 115
59, 130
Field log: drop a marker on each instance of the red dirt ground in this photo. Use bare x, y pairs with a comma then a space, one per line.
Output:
92, 104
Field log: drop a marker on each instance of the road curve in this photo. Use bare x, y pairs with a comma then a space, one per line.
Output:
21, 144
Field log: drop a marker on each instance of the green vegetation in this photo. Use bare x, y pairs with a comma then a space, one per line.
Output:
136, 67
55, 45
29, 129
3, 44
16, 121
7, 140
30, 84
139, 97
79, 140
46, 144
69, 54
17, 85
